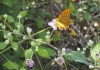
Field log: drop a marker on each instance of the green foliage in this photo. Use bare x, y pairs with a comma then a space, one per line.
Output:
3, 45
43, 52
71, 6
87, 16
4, 9
10, 19
39, 22
11, 65
76, 56
14, 45
7, 2
10, 38
51, 52
95, 50
28, 53
23, 13
17, 15
56, 38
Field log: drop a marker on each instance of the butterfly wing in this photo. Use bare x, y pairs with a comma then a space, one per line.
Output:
64, 18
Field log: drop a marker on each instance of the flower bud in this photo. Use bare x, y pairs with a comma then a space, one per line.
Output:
19, 16
6, 41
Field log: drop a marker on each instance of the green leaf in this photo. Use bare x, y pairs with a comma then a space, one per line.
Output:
72, 8
43, 52
3, 9
7, 2
11, 65
10, 18
10, 38
87, 16
23, 13
44, 13
14, 2
95, 50
51, 52
28, 53
3, 45
42, 35
19, 53
39, 22
14, 45
56, 38
76, 56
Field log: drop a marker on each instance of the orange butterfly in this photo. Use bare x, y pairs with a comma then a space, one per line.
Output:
63, 20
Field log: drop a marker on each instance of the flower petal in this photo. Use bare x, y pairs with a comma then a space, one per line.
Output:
54, 20
51, 23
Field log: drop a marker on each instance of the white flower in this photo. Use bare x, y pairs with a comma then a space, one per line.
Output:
90, 42
6, 41
91, 66
19, 16
53, 24
9, 34
18, 26
47, 37
63, 49
78, 49
5, 15
59, 60
24, 37
84, 49
1, 24
83, 52
16, 31
48, 32
29, 30
3, 27
5, 36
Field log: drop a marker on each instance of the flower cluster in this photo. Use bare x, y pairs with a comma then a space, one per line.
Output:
60, 60
30, 62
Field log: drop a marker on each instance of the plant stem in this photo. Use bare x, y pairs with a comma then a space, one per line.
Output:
33, 35
9, 61
65, 66
39, 61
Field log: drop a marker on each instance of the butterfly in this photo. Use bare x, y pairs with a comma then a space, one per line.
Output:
63, 20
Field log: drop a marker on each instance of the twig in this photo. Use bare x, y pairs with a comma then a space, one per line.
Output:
98, 15
95, 12
51, 8
80, 34
57, 8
